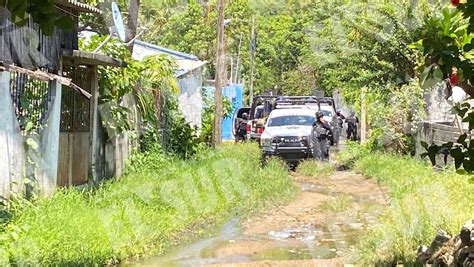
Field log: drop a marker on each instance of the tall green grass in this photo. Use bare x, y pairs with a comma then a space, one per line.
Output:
315, 169
337, 204
421, 202
159, 203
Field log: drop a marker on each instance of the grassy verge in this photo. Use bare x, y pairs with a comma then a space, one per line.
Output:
421, 202
315, 169
159, 203
338, 204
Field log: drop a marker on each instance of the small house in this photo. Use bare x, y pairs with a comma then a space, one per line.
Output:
48, 103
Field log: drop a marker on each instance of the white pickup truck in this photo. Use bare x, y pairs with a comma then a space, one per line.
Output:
287, 134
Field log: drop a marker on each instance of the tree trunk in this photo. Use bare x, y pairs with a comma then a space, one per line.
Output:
220, 74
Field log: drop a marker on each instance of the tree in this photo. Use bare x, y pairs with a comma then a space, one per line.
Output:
281, 37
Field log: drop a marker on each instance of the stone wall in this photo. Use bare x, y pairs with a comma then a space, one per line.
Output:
438, 109
42, 149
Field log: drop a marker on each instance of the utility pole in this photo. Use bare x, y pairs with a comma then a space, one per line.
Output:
132, 23
363, 117
253, 46
220, 75
236, 80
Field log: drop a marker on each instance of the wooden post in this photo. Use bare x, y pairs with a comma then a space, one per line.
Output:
94, 125
363, 118
220, 74
253, 47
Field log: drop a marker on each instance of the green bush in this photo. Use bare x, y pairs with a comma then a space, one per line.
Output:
315, 169
421, 202
164, 201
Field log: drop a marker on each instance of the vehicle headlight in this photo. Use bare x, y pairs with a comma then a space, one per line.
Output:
305, 140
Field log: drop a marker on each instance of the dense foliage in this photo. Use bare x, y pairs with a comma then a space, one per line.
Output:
281, 38
141, 98
208, 116
448, 49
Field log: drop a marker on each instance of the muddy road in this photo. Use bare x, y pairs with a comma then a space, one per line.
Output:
320, 227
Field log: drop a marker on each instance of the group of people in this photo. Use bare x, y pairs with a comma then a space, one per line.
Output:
323, 133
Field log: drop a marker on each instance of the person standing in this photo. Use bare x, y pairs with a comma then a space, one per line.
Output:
337, 124
242, 129
352, 123
320, 134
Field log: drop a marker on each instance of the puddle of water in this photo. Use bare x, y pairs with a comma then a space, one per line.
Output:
303, 233
200, 252
280, 254
325, 190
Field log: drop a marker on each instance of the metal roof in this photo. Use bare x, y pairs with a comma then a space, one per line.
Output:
78, 6
186, 62
164, 50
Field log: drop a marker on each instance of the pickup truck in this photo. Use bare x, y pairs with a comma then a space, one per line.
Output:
261, 107
287, 134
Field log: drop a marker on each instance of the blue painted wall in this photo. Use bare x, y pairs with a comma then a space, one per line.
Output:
235, 93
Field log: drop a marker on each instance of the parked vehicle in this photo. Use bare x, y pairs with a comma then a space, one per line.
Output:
238, 117
287, 134
261, 108
328, 112
327, 101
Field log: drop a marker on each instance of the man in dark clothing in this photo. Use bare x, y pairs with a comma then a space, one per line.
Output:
320, 135
352, 123
337, 124
242, 128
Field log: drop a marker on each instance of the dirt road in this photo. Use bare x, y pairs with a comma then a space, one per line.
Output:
319, 228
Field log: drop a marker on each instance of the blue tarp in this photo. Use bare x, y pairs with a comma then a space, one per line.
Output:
235, 93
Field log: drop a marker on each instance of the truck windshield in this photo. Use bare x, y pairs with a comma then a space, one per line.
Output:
326, 113
291, 120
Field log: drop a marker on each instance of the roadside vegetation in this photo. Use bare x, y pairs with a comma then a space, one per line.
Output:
422, 201
315, 169
162, 201
337, 204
